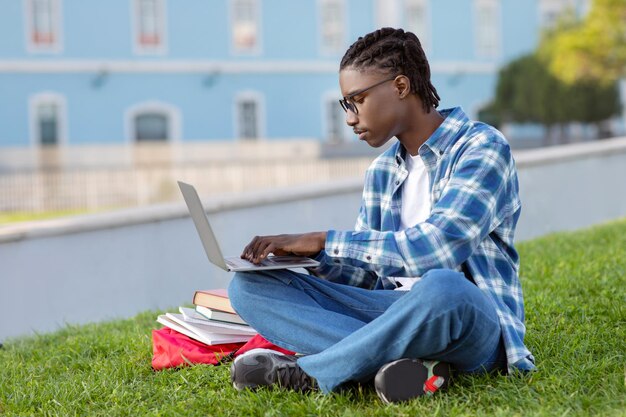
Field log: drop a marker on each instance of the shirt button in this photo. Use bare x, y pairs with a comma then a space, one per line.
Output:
369, 258
336, 251
397, 182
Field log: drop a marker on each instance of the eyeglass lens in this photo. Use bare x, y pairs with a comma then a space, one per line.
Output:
347, 105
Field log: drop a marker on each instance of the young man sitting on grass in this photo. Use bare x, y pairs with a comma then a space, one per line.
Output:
428, 280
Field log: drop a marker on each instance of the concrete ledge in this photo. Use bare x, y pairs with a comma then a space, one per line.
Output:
156, 213
171, 211
556, 154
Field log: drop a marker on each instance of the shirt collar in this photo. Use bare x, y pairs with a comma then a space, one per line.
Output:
444, 136
448, 131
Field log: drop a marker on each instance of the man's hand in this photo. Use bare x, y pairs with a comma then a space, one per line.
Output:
306, 244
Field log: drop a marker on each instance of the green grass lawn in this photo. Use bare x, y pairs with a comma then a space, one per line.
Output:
575, 289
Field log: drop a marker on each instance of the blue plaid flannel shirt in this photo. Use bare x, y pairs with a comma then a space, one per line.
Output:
475, 208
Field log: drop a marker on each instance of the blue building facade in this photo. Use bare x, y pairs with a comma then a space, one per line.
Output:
77, 72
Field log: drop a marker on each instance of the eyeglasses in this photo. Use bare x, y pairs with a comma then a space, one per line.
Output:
346, 102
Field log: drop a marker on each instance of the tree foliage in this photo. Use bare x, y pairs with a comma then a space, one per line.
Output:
591, 49
527, 92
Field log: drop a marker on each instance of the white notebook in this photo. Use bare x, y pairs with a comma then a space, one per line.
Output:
192, 316
201, 333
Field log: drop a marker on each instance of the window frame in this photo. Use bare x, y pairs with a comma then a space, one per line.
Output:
47, 97
325, 49
56, 20
333, 97
558, 7
425, 36
257, 48
479, 50
387, 13
258, 98
173, 113
138, 121
140, 48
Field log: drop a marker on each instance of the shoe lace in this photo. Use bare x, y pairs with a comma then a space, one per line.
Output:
292, 376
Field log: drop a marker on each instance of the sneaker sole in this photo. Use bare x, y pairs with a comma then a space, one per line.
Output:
233, 378
404, 379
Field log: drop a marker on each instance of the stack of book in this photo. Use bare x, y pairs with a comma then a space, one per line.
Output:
213, 320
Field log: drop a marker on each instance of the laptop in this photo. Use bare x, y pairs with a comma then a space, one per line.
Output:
212, 247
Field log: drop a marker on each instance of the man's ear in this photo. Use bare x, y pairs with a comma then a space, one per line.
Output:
402, 85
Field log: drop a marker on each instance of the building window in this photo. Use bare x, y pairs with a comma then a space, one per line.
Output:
149, 16
48, 123
153, 122
249, 116
245, 26
551, 10
43, 19
487, 28
248, 119
387, 13
151, 127
333, 25
48, 119
336, 129
416, 20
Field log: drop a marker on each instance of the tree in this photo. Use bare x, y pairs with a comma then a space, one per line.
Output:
594, 102
527, 92
592, 49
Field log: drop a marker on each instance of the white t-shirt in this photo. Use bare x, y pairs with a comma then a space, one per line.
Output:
415, 204
415, 193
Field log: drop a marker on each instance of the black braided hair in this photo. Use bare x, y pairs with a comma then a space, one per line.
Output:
394, 52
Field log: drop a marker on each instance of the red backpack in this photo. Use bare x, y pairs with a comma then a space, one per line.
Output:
171, 349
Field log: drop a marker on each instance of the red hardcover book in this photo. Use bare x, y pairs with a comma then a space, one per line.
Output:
213, 299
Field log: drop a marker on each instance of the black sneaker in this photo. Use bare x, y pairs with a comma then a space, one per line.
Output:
405, 379
263, 367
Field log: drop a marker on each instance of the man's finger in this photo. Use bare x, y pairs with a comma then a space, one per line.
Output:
261, 244
271, 248
263, 250
248, 249
253, 247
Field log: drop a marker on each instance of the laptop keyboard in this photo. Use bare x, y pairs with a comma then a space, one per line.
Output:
238, 262
295, 261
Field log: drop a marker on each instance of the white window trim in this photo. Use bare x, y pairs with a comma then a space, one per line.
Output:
324, 51
427, 44
87, 66
579, 7
260, 101
138, 48
34, 48
547, 5
47, 97
173, 114
258, 49
390, 17
497, 55
327, 97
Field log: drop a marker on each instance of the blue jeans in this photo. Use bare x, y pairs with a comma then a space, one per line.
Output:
347, 333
